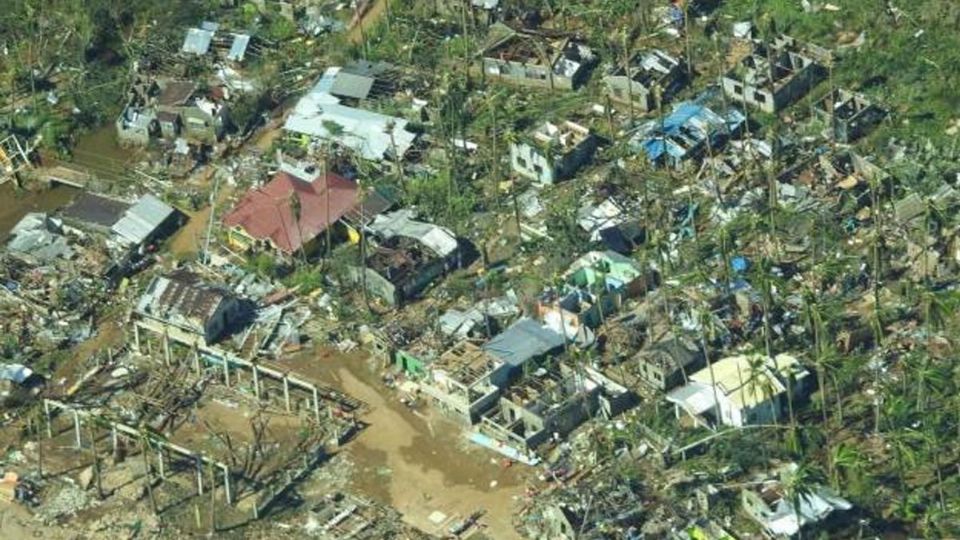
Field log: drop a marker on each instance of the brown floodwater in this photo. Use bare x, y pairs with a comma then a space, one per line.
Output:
98, 153
14, 203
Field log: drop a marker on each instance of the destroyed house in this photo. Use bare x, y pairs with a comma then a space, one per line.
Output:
339, 516
552, 152
541, 406
320, 116
775, 74
687, 133
595, 286
136, 126
645, 76
461, 381
667, 363
741, 390
401, 268
408, 257
289, 214
183, 301
530, 59
777, 513
598, 506
852, 115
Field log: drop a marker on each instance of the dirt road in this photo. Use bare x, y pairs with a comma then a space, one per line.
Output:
421, 465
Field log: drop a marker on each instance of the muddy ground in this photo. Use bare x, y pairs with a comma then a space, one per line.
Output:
415, 461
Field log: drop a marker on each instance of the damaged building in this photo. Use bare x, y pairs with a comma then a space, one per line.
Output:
407, 257
187, 309
531, 59
689, 132
465, 381
543, 405
552, 152
776, 73
852, 115
322, 116
649, 80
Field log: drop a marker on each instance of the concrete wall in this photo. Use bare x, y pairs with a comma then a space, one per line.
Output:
769, 101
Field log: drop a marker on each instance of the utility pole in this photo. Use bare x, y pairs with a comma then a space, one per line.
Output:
205, 256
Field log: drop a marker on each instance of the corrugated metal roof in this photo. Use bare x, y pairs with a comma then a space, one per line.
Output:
266, 212
197, 41
142, 219
352, 85
239, 47
370, 134
401, 223
522, 341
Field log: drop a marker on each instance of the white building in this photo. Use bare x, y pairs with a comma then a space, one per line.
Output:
745, 389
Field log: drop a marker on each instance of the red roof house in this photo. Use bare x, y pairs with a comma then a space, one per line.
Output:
266, 213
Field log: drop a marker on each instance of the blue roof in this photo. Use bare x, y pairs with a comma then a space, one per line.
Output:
686, 127
523, 340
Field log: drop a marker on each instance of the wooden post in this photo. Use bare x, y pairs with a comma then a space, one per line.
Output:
166, 347
136, 336
113, 438
46, 411
76, 428
316, 404
226, 370
198, 464
196, 360
256, 381
162, 469
286, 391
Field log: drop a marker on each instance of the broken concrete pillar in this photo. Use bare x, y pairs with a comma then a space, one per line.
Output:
226, 485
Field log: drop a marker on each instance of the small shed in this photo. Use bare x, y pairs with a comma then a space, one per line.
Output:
147, 220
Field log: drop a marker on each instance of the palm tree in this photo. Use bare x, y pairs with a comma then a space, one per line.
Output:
815, 323
799, 485
707, 332
295, 211
846, 463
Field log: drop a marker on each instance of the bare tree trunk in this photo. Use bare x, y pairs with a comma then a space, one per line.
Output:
148, 475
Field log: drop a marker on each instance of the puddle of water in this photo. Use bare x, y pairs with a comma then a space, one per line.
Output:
14, 205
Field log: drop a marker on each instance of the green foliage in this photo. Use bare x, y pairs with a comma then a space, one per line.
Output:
306, 279
280, 29
263, 264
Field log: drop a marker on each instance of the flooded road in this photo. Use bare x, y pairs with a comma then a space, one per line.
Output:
15, 204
